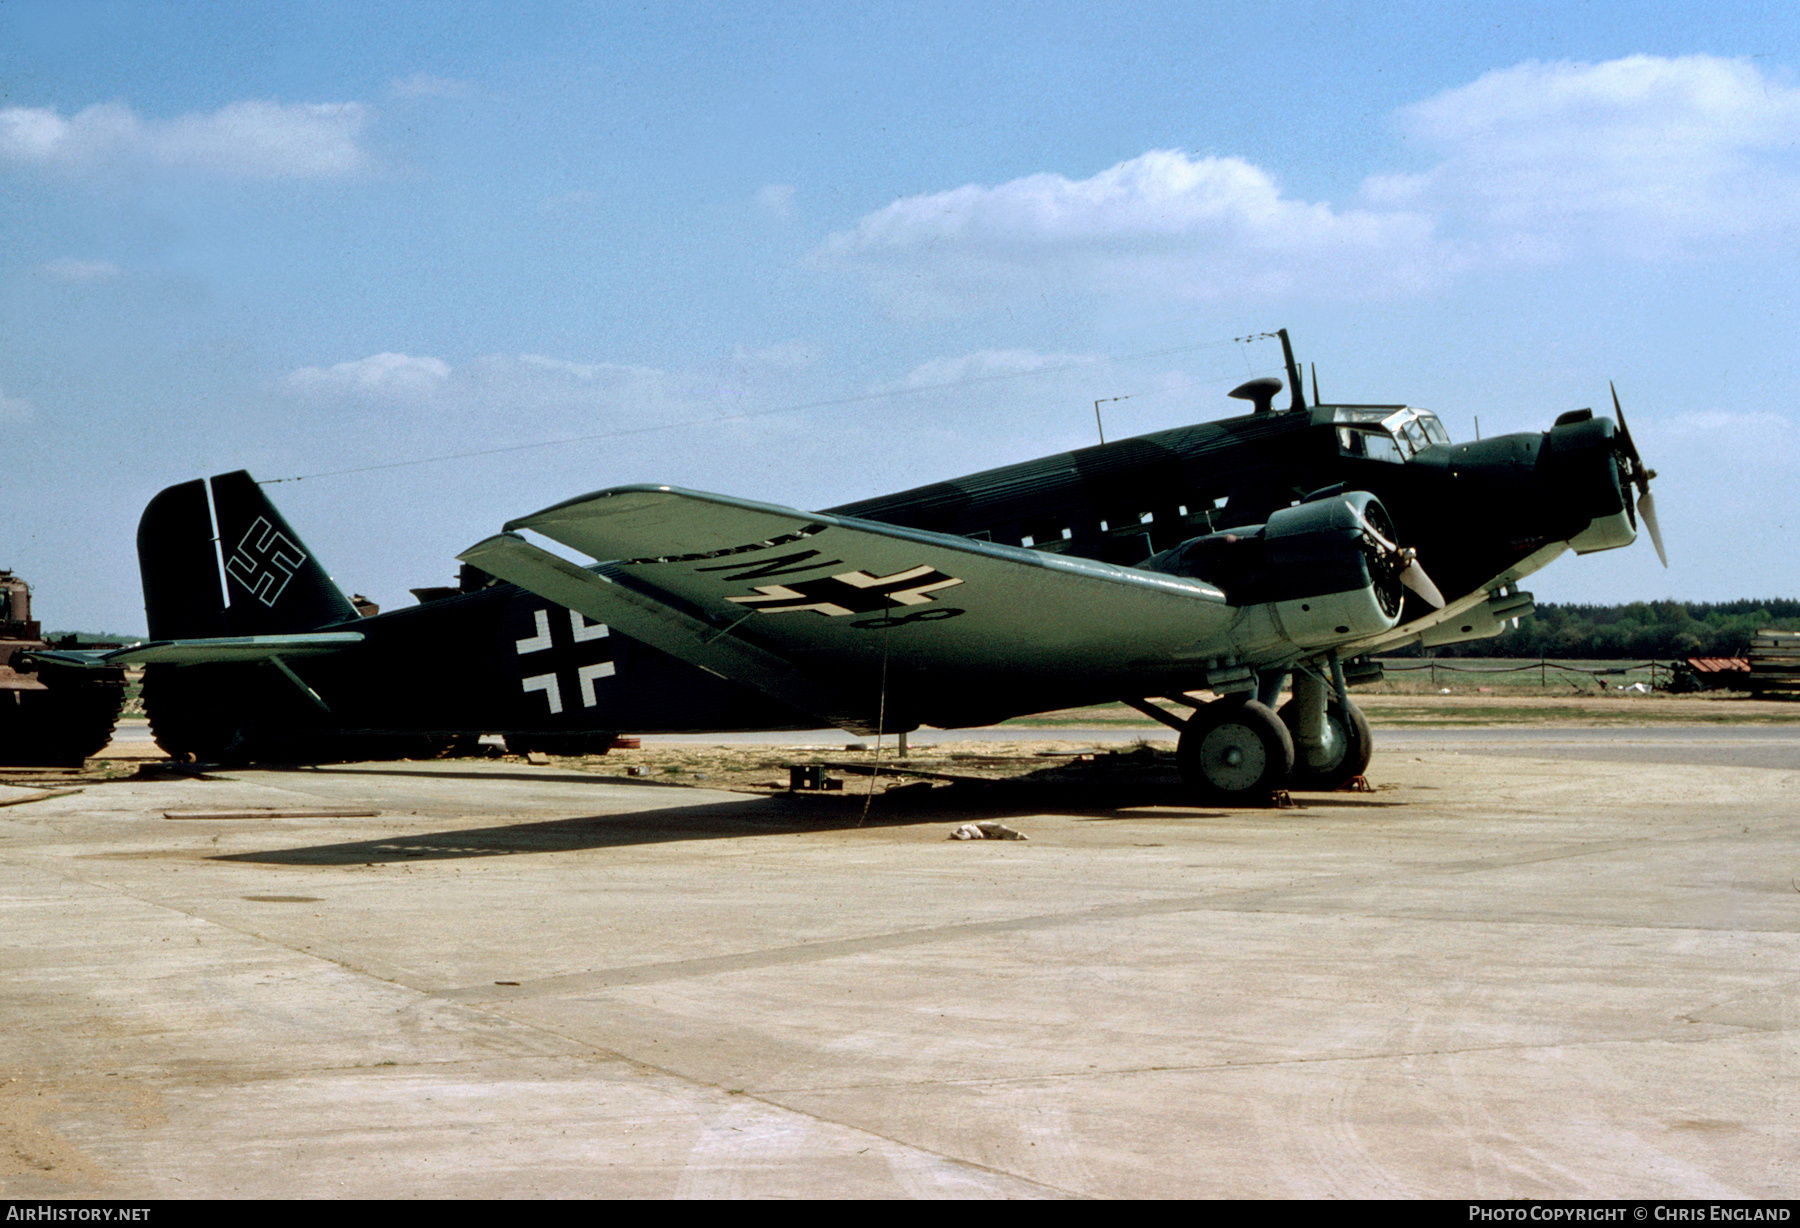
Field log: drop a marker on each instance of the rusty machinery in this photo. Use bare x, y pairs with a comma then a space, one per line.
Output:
49, 714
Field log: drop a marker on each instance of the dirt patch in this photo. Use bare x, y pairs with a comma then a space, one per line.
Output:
858, 769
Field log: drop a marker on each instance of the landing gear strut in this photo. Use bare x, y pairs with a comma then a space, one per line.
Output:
1344, 754
1332, 741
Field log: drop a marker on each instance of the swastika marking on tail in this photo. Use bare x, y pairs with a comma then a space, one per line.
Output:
264, 561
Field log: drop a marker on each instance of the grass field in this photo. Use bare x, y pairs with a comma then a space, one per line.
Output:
1497, 691
1501, 675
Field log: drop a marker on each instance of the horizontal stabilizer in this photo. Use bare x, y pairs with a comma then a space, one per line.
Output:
229, 650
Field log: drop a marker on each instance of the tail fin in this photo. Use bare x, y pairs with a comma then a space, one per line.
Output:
274, 583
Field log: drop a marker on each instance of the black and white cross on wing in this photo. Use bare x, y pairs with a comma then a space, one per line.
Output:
561, 654
851, 592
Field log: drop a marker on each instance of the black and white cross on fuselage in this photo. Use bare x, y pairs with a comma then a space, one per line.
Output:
548, 631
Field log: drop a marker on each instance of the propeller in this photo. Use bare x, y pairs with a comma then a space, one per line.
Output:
1637, 473
1405, 559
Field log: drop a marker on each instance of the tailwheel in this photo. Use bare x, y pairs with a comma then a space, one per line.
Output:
1236, 750
1343, 753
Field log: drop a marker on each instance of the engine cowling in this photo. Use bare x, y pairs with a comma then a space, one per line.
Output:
1325, 567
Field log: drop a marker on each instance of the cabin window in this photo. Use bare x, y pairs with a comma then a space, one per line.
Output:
1044, 533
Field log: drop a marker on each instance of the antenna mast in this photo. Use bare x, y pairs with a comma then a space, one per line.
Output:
1293, 370
1097, 405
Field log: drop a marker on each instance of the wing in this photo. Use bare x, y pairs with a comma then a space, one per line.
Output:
1479, 614
817, 609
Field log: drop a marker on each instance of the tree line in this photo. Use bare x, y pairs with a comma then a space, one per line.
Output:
1639, 630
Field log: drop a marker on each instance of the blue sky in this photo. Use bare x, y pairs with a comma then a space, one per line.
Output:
808, 254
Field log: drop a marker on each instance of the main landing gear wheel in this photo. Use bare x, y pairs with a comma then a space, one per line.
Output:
194, 714
1235, 750
1348, 745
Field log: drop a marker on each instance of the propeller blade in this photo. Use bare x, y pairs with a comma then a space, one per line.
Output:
1646, 509
1411, 575
1646, 502
1639, 474
1373, 532
1414, 577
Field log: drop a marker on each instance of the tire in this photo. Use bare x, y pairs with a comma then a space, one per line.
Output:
1353, 738
1235, 750
197, 713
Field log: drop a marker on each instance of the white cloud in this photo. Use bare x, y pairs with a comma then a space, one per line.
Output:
15, 409
1645, 157
67, 268
496, 386
261, 140
776, 198
1163, 223
583, 371
386, 376
987, 365
1642, 155
609, 374
1727, 425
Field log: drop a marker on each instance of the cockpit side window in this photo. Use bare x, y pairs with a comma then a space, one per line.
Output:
1386, 432
1370, 443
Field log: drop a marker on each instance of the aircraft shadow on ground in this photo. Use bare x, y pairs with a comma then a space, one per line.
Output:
782, 814
538, 776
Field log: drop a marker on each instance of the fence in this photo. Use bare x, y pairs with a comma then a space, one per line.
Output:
1543, 672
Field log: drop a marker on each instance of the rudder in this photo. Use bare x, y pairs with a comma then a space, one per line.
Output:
180, 565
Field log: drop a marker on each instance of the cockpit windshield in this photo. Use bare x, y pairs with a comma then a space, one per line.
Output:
1394, 433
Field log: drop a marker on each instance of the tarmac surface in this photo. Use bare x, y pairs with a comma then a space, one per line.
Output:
1533, 963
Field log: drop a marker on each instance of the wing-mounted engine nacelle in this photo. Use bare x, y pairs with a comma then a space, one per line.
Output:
1327, 568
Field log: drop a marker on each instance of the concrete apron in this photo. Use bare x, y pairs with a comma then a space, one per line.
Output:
1495, 977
